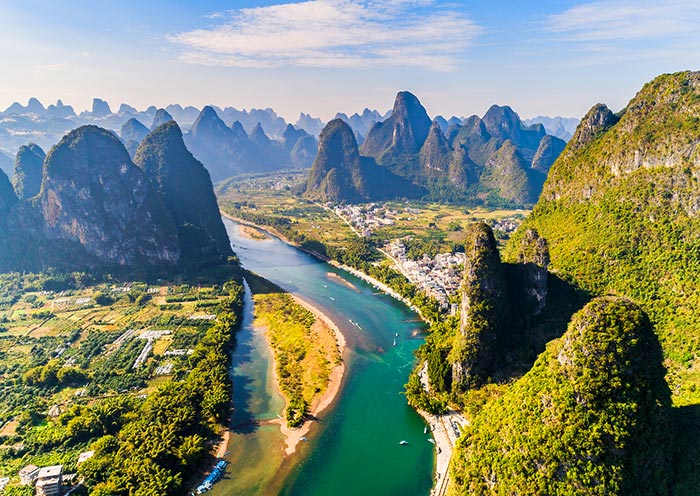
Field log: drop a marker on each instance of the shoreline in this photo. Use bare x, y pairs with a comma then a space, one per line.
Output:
444, 446
293, 436
445, 439
369, 279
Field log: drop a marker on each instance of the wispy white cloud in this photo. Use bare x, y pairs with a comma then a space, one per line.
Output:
611, 20
334, 33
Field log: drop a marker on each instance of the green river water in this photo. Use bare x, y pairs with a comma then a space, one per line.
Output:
354, 447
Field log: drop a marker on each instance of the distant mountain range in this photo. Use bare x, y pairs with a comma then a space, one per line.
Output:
561, 127
496, 159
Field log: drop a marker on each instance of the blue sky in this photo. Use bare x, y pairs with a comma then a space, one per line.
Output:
325, 56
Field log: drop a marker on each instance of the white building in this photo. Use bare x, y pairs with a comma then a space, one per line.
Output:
49, 481
28, 474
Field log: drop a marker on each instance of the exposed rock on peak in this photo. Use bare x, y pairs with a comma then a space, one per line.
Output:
484, 309
596, 121
93, 196
435, 153
28, 171
187, 191
403, 132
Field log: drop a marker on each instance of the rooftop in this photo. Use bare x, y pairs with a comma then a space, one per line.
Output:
52, 471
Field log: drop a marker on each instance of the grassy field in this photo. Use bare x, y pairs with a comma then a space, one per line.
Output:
312, 221
304, 347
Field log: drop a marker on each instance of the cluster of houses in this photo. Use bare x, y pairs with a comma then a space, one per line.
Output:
47, 481
366, 218
507, 226
439, 277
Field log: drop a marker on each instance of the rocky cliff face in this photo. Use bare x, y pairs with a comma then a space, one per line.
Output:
435, 154
186, 188
595, 122
28, 170
404, 132
94, 196
339, 173
591, 417
532, 261
484, 309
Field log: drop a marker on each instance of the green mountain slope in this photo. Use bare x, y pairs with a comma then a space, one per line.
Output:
620, 212
592, 417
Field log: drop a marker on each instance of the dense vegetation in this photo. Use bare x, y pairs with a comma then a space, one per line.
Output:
619, 212
592, 417
304, 348
153, 447
71, 381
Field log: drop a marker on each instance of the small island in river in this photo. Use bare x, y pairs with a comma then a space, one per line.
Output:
307, 349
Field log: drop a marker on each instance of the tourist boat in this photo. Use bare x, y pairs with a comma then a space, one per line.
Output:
403, 442
425, 429
431, 440
212, 478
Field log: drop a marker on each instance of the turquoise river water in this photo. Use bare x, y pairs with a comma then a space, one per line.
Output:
354, 447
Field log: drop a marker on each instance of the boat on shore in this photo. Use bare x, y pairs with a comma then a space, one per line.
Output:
212, 478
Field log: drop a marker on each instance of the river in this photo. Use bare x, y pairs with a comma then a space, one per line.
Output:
354, 448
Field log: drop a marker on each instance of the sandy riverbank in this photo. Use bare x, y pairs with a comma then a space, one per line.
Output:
371, 280
250, 232
441, 426
321, 403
